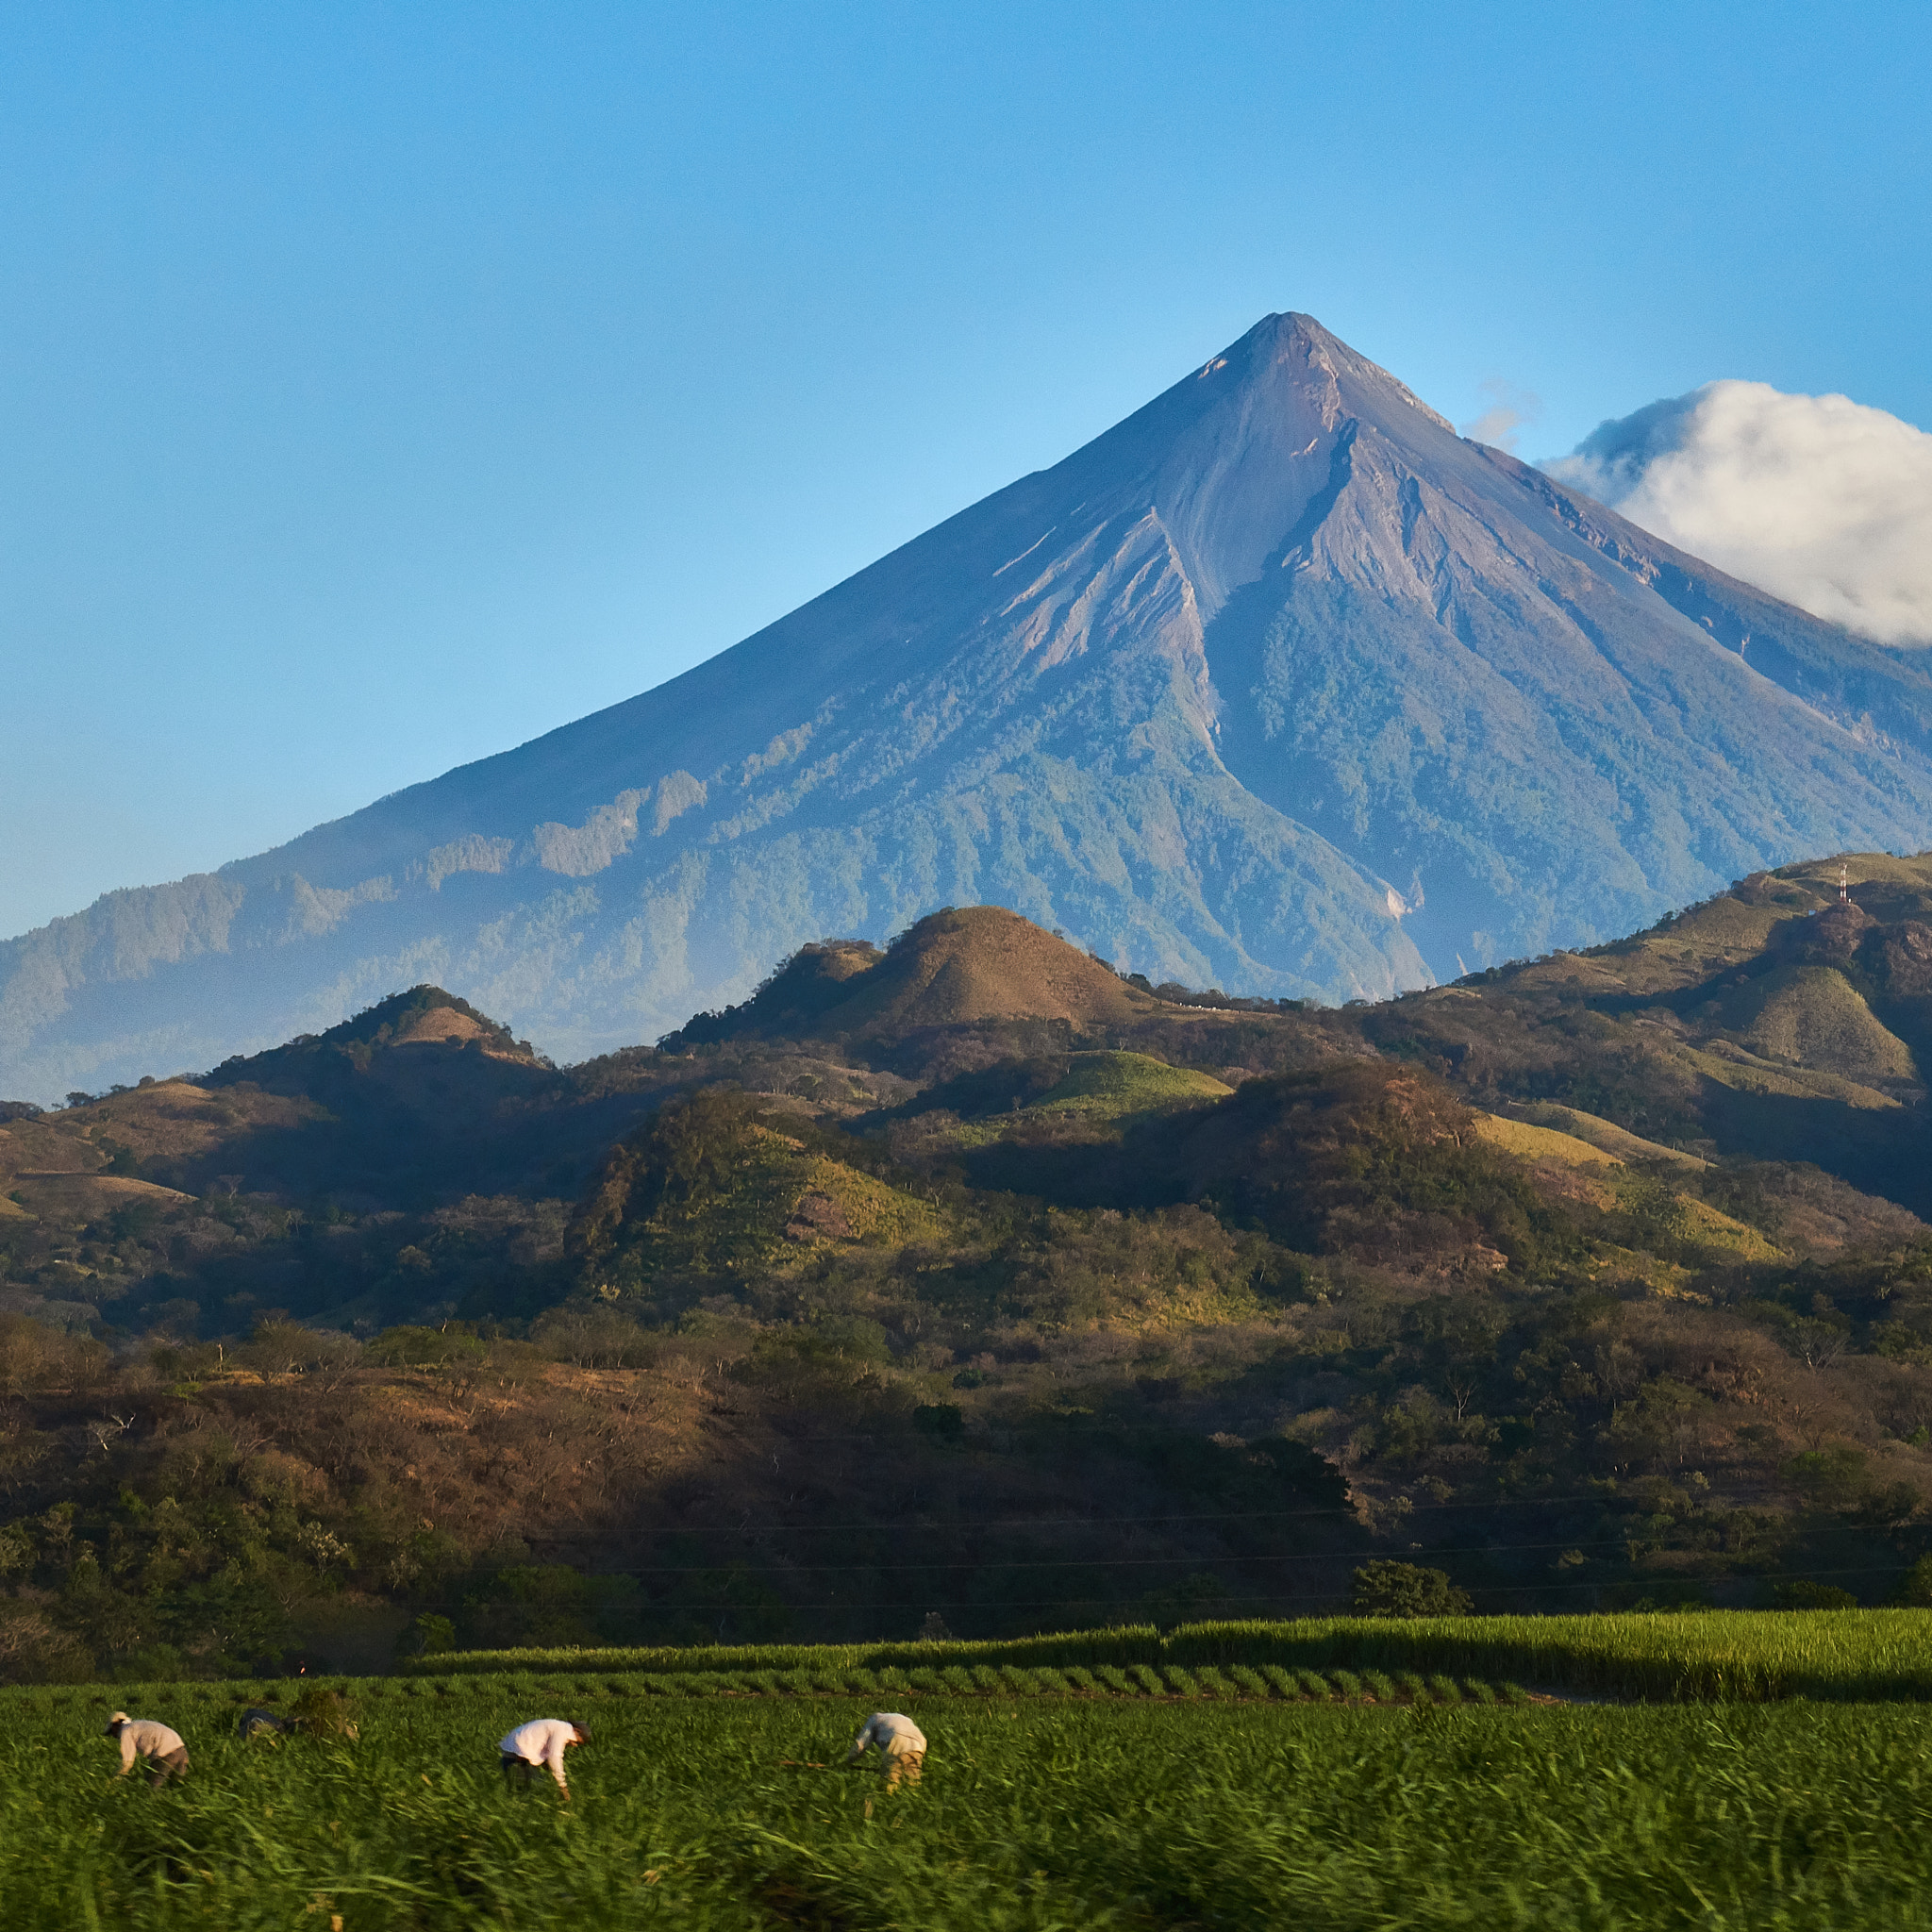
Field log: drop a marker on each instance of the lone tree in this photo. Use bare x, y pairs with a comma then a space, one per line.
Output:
1915, 1586
1384, 1589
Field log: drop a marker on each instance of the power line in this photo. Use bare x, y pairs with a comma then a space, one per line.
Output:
1340, 1514
1101, 1563
1475, 1624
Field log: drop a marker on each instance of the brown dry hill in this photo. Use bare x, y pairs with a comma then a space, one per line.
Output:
955, 968
79, 1197
434, 1025
984, 963
45, 1145
420, 1077
167, 1123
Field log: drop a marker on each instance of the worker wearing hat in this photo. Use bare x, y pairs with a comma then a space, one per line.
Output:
141, 1736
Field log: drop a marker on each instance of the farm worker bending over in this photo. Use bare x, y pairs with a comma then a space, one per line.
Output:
141, 1738
901, 1743
542, 1741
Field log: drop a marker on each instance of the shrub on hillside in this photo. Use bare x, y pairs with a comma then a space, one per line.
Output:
1915, 1587
1804, 1595
424, 1347
590, 1334
34, 1650
1387, 1588
428, 1636
288, 1348
942, 1420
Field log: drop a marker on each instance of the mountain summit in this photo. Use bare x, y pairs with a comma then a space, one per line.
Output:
1278, 684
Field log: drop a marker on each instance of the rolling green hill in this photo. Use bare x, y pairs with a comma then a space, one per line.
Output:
1127, 1083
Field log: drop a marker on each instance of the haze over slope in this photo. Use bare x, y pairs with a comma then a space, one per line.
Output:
1278, 685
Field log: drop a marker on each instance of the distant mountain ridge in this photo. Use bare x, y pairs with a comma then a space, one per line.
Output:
1277, 685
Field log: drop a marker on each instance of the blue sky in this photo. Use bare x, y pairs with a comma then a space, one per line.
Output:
383, 385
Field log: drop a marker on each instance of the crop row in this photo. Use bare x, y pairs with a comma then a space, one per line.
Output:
1270, 1682
1868, 1656
1121, 1644
1713, 1656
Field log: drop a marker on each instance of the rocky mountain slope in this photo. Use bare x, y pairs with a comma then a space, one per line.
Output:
1278, 685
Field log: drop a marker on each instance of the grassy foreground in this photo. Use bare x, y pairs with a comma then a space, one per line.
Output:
1031, 1815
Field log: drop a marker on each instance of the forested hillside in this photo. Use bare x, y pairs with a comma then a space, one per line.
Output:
966, 1279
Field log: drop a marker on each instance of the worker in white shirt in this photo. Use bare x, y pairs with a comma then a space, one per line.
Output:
542, 1741
141, 1736
901, 1743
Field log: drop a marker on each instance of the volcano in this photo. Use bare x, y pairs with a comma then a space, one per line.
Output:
1278, 686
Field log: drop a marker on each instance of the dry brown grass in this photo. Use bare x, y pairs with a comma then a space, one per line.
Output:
984, 963
81, 1196
440, 1022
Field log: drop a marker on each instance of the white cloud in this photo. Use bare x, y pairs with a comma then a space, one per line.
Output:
1817, 499
1511, 409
